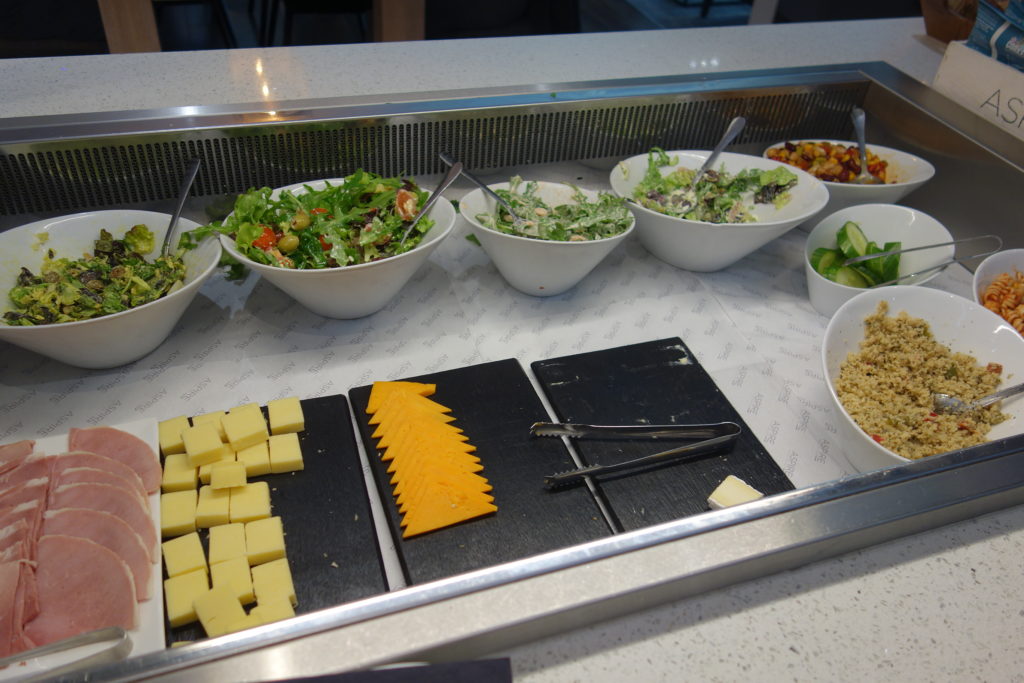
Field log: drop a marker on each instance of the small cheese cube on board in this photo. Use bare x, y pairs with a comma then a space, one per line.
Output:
218, 609
250, 621
178, 475
227, 474
214, 419
732, 491
264, 540
245, 428
226, 455
177, 513
250, 502
285, 453
285, 415
256, 459
273, 609
227, 541
213, 507
202, 444
170, 435
180, 593
273, 580
234, 574
184, 554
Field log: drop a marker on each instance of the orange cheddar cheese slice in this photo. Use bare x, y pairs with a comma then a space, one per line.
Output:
442, 505
386, 431
382, 390
435, 476
401, 404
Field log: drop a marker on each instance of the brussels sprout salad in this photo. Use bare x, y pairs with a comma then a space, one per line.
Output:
115, 278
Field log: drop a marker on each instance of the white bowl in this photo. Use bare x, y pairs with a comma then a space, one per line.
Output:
909, 171
351, 291
111, 340
881, 223
959, 323
1009, 261
707, 247
534, 266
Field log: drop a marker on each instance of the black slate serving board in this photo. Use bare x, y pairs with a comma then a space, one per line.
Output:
657, 382
495, 404
330, 538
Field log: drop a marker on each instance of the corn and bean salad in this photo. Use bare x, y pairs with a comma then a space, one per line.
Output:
829, 161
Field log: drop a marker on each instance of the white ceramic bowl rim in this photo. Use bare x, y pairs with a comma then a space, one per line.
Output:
229, 243
192, 281
880, 150
767, 225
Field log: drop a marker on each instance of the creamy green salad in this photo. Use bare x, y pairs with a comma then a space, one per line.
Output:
359, 220
115, 278
581, 221
719, 196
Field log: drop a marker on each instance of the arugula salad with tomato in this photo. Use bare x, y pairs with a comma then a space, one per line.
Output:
359, 220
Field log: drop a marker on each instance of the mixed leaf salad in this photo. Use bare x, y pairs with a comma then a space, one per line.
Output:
718, 197
581, 221
359, 220
115, 278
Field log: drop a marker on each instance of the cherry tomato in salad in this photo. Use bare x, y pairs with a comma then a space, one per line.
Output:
267, 239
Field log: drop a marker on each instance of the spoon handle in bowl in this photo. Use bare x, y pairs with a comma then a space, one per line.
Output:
734, 129
998, 396
449, 178
483, 186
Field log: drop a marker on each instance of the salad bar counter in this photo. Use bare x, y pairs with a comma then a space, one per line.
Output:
637, 343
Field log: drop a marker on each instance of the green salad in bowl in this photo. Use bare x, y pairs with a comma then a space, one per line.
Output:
581, 219
719, 196
328, 224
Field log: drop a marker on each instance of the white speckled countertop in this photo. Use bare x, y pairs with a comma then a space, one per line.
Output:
941, 605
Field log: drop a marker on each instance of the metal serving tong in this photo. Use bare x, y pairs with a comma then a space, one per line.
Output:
867, 257
712, 437
119, 646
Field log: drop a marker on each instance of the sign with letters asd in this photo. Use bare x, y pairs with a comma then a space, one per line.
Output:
991, 89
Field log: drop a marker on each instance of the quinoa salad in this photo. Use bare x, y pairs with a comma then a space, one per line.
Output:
887, 388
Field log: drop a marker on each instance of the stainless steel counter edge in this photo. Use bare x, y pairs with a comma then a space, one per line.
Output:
497, 608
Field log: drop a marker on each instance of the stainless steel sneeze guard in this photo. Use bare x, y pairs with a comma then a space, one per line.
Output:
59, 164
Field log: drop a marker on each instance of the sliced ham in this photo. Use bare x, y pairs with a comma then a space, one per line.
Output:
34, 490
92, 475
121, 446
32, 468
15, 532
82, 586
99, 462
13, 454
10, 628
30, 513
110, 532
113, 499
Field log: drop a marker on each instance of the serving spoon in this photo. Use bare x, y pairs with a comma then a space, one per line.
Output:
518, 222
734, 129
449, 178
944, 403
186, 187
865, 177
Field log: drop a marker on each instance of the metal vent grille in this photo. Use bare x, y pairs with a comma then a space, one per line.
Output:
116, 169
